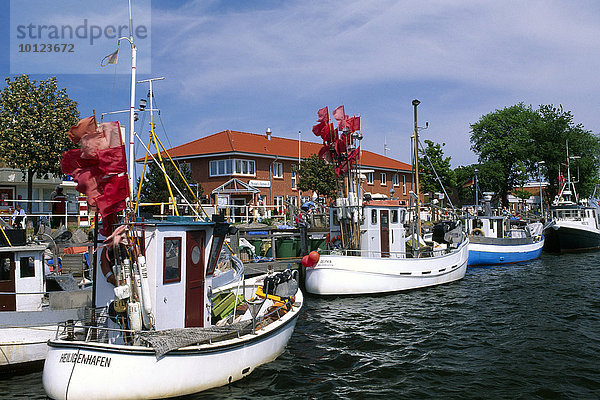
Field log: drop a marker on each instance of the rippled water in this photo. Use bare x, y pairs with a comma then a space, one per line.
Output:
529, 330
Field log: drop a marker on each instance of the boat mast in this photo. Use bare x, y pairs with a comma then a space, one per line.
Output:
131, 106
415, 103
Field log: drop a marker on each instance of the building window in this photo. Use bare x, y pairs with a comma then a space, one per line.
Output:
370, 178
27, 267
383, 179
277, 170
278, 203
172, 260
395, 180
374, 217
403, 184
232, 167
293, 180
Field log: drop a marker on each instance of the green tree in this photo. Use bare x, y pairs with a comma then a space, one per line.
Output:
316, 175
432, 159
550, 138
154, 187
503, 140
34, 117
465, 184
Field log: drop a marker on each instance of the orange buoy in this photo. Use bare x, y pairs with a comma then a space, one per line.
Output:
305, 261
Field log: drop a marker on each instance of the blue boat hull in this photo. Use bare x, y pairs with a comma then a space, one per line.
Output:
492, 254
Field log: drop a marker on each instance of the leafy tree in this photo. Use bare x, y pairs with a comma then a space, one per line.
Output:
432, 158
550, 138
503, 140
154, 187
34, 117
316, 175
465, 184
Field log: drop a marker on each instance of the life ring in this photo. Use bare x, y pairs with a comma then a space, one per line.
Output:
106, 268
477, 232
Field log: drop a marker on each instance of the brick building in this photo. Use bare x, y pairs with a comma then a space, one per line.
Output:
239, 168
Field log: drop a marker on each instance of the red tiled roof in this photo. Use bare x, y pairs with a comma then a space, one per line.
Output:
251, 143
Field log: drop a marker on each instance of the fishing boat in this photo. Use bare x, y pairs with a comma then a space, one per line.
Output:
370, 251
493, 240
573, 225
29, 313
161, 327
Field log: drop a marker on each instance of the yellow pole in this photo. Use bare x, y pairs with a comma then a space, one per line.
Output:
5, 236
160, 160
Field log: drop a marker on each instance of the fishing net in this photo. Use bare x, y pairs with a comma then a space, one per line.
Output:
164, 341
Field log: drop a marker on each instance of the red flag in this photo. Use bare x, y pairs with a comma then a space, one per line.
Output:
339, 114
353, 124
112, 160
323, 114
318, 128
114, 192
324, 153
83, 127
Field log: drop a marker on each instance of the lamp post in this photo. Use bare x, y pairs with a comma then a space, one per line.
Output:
541, 197
476, 190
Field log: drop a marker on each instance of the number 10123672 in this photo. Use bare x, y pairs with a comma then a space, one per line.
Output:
46, 48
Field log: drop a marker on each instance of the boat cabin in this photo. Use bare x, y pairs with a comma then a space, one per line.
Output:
488, 226
381, 226
577, 213
180, 257
22, 277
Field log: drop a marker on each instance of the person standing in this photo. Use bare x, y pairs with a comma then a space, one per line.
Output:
59, 207
18, 216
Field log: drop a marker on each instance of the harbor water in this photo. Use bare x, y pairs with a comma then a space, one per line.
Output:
529, 330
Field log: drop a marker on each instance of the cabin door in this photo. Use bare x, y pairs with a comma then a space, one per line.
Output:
384, 232
194, 281
8, 302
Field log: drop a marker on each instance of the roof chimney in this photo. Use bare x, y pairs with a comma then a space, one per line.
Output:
268, 133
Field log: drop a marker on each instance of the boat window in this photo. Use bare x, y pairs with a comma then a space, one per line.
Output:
27, 267
394, 216
172, 260
5, 261
374, 217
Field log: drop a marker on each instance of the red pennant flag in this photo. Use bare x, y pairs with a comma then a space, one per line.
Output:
83, 127
323, 115
339, 114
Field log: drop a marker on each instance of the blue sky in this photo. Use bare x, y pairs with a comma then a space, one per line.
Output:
249, 66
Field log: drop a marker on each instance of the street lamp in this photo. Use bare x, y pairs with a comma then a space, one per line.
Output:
541, 198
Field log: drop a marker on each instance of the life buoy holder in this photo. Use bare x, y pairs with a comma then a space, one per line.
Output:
477, 232
106, 268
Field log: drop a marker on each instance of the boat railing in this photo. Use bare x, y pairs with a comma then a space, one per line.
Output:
422, 253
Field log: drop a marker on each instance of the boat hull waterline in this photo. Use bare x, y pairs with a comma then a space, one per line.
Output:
83, 370
350, 275
490, 254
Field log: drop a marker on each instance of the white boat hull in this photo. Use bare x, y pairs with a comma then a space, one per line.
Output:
350, 275
24, 336
84, 370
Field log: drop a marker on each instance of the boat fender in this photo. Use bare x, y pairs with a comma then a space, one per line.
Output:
477, 232
147, 300
106, 268
134, 311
